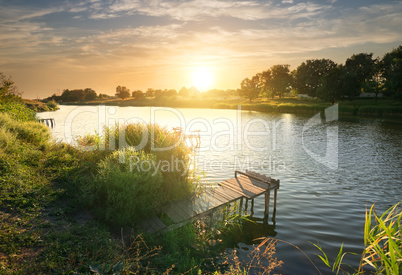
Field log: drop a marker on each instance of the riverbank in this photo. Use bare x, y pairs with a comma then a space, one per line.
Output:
383, 108
38, 106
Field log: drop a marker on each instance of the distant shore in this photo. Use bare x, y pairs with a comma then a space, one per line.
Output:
382, 108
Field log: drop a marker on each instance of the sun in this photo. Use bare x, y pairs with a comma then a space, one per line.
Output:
202, 79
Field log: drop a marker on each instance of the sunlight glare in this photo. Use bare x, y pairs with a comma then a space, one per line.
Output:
202, 79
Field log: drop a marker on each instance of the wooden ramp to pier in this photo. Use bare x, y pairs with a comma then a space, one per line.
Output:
244, 185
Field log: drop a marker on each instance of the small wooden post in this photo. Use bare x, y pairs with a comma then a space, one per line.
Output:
246, 206
267, 196
241, 206
275, 196
252, 207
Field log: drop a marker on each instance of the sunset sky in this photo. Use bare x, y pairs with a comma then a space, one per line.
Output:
47, 46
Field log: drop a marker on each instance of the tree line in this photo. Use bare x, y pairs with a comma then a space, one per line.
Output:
329, 81
88, 94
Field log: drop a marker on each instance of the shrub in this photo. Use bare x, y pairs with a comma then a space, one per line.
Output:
18, 111
26, 131
166, 147
122, 192
52, 105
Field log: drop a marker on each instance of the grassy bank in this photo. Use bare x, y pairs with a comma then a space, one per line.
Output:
38, 106
385, 108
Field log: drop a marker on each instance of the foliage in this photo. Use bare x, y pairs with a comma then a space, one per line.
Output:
17, 110
392, 71
8, 91
157, 166
44, 227
309, 74
262, 260
249, 88
137, 94
123, 192
122, 92
382, 244
52, 105
359, 70
77, 95
280, 80
331, 85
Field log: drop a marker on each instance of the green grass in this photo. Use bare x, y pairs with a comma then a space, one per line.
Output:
44, 225
382, 244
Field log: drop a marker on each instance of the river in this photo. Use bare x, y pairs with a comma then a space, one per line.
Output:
330, 169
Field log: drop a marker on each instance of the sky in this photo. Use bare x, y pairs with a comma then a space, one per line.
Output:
47, 46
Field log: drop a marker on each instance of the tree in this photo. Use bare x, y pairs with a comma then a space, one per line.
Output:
8, 91
150, 92
122, 92
159, 94
137, 94
330, 87
281, 80
249, 88
358, 74
171, 92
391, 68
89, 94
308, 76
183, 92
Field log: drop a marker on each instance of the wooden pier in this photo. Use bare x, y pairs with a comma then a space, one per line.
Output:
49, 122
243, 186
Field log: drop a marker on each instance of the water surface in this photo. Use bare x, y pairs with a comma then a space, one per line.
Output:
330, 172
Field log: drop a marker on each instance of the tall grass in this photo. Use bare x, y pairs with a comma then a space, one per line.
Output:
121, 194
147, 167
17, 110
382, 244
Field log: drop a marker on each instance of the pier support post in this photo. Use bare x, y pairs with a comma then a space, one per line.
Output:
267, 196
241, 206
246, 206
252, 207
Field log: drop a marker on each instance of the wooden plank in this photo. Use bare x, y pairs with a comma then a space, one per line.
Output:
175, 212
237, 185
274, 183
224, 196
218, 197
241, 190
201, 204
180, 210
234, 195
254, 182
246, 184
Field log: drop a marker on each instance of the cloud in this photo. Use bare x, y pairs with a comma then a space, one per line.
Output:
196, 10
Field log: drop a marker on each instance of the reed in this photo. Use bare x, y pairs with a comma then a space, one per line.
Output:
382, 244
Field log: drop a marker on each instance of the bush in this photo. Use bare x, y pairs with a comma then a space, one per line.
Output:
18, 111
52, 105
166, 147
26, 131
123, 190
